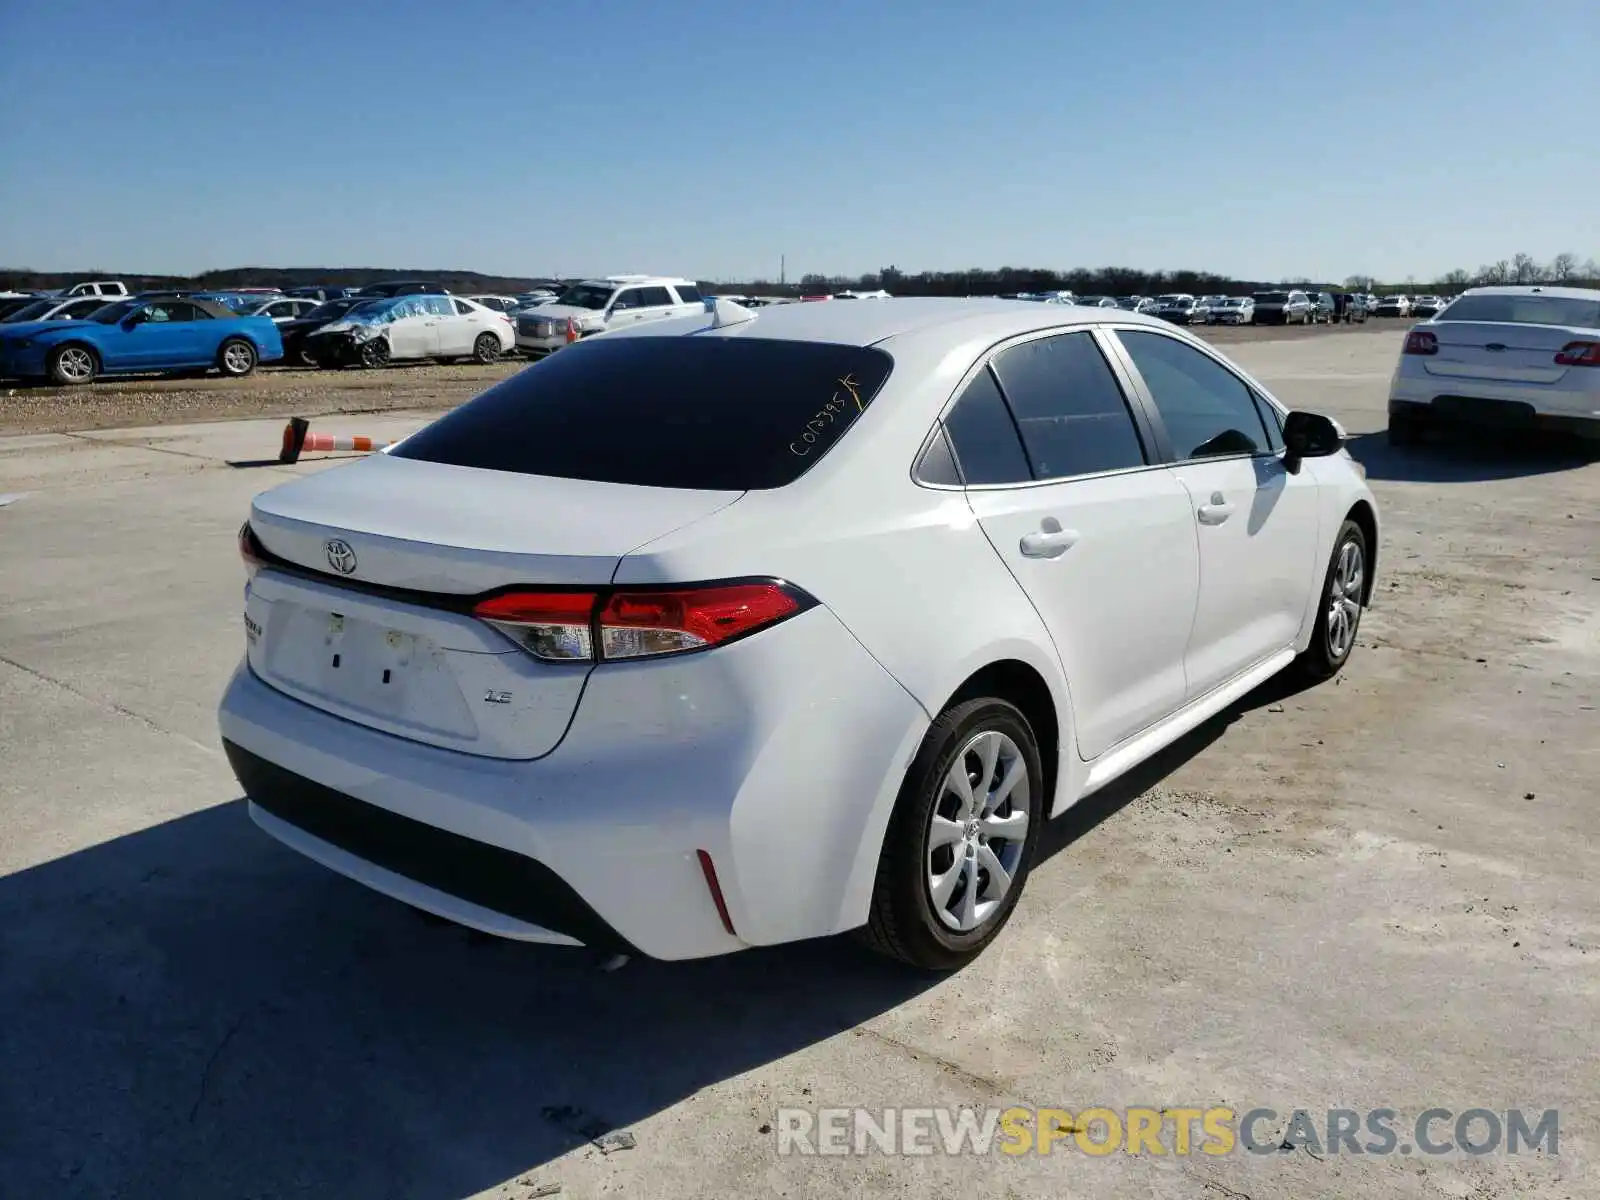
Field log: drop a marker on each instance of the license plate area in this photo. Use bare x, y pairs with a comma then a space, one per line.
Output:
362, 669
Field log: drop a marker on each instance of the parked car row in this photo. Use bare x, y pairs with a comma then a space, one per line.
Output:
84, 333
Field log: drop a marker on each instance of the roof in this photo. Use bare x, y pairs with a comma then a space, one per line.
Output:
626, 280
1542, 289
867, 324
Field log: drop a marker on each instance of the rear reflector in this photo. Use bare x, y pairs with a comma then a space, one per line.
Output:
1420, 341
1579, 354
590, 626
709, 869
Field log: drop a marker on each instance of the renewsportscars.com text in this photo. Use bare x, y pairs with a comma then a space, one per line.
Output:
1213, 1131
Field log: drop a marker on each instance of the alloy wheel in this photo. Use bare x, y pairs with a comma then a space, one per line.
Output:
978, 830
1344, 599
76, 364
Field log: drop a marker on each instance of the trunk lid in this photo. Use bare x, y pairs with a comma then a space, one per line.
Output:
353, 642
1512, 352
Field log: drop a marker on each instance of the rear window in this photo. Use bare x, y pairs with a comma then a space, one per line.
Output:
715, 413
1271, 297
1525, 310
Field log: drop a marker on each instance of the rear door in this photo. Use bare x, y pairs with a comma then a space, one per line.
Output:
458, 331
1258, 526
1098, 535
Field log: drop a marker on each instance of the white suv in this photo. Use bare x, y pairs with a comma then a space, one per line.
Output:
98, 287
596, 305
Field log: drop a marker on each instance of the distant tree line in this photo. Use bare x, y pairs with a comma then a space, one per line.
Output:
1129, 281
978, 281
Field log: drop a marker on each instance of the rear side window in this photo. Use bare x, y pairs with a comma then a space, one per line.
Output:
716, 413
1069, 408
1525, 310
687, 293
984, 436
463, 308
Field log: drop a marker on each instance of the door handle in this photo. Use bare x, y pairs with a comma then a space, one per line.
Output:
1047, 542
1215, 511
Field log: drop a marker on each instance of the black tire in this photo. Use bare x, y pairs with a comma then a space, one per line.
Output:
486, 349
236, 358
375, 353
73, 365
1406, 429
1326, 656
903, 922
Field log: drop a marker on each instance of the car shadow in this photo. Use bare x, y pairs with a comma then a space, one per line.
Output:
1472, 456
1084, 816
194, 1010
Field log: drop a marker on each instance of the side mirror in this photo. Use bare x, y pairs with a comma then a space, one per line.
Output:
1309, 435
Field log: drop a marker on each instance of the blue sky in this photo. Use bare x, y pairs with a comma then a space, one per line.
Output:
1255, 138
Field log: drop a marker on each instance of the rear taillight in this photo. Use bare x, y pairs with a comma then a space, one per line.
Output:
612, 626
553, 625
1420, 341
250, 550
1579, 354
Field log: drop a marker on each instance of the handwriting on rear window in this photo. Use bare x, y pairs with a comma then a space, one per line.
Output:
845, 403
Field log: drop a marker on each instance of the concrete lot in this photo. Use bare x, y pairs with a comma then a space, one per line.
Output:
1378, 893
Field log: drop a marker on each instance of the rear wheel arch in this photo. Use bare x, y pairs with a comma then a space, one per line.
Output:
1020, 684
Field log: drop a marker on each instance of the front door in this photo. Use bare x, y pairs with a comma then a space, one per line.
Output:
1103, 544
1257, 524
168, 334
414, 332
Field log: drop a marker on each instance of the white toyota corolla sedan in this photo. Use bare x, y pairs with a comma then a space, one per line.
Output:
745, 628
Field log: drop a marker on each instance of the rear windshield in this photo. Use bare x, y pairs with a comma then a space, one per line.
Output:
715, 413
1271, 297
1525, 310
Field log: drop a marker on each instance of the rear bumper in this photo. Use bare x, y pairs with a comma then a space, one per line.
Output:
780, 756
1497, 402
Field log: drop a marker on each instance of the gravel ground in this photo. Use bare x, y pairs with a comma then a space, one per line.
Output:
295, 391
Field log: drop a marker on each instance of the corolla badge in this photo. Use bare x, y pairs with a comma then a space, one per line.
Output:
340, 557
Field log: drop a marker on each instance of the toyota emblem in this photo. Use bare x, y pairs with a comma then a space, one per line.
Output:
340, 557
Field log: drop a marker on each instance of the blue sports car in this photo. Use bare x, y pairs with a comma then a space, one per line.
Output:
146, 333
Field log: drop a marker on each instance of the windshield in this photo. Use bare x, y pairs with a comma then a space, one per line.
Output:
664, 412
586, 295
1175, 299
31, 312
1525, 310
371, 310
330, 310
